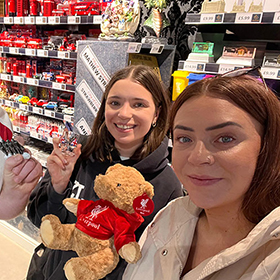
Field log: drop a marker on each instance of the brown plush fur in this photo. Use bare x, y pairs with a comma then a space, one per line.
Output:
120, 185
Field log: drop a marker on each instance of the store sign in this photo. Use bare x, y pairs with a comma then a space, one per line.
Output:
89, 97
94, 66
83, 127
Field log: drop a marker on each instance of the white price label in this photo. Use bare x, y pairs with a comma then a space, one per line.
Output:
270, 73
276, 18
97, 19
134, 47
29, 20
49, 113
31, 52
1, 49
58, 86
41, 20
223, 68
33, 82
68, 118
23, 107
14, 50
74, 20
9, 103
43, 53
210, 18
8, 20
50, 140
157, 48
37, 110
194, 66
6, 77
18, 20
18, 79
54, 20
33, 134
248, 18
62, 55
16, 129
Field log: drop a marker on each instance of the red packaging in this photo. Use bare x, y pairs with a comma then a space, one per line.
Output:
28, 71
15, 69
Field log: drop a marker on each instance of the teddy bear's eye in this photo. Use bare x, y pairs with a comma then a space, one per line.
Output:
118, 185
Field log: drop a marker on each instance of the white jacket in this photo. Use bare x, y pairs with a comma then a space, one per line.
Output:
166, 243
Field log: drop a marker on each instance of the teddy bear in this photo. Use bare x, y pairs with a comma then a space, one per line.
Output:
105, 228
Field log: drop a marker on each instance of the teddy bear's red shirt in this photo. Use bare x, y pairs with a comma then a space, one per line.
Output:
101, 219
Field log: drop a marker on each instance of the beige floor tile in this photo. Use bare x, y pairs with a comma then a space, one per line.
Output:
14, 260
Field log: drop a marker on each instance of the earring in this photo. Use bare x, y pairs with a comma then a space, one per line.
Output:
154, 124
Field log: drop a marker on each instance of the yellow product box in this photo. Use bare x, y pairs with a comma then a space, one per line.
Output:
180, 82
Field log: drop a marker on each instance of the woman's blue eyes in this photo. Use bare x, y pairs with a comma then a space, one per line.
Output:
225, 139
184, 139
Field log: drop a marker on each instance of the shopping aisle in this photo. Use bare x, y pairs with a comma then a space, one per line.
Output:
15, 253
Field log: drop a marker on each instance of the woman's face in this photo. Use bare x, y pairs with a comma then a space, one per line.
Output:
215, 149
129, 114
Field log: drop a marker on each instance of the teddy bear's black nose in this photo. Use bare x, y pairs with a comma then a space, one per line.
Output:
118, 185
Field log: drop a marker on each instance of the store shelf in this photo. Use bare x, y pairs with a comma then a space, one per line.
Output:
215, 68
37, 110
234, 18
37, 82
53, 20
39, 52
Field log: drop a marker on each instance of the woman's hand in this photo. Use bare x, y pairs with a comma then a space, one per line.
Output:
61, 164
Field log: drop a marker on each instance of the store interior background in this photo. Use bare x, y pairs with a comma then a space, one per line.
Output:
18, 237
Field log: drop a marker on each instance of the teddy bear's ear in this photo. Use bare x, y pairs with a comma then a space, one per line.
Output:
114, 167
149, 189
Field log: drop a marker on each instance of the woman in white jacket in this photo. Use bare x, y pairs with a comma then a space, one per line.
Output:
226, 152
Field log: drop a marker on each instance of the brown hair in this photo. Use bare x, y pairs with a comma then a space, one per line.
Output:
101, 142
250, 95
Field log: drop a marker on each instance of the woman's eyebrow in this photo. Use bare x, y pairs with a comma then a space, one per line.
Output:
221, 125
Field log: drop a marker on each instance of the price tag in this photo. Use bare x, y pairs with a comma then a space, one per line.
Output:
16, 129
37, 110
157, 48
18, 79
54, 20
23, 107
58, 86
74, 20
68, 118
194, 66
62, 55
210, 18
14, 50
276, 18
43, 53
41, 20
1, 49
33, 82
49, 113
9, 103
248, 18
134, 47
31, 52
29, 20
270, 73
50, 140
223, 68
6, 77
8, 20
33, 134
18, 20
97, 19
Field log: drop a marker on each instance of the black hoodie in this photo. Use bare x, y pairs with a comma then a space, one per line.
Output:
44, 200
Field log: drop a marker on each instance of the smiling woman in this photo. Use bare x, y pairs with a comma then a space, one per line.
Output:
226, 153
130, 128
